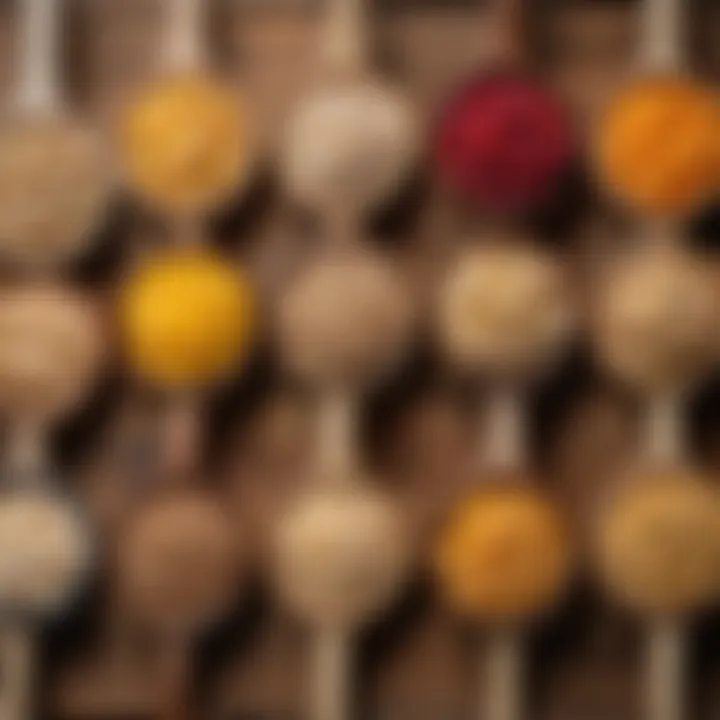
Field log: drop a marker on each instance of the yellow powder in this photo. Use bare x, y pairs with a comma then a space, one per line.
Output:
183, 143
186, 319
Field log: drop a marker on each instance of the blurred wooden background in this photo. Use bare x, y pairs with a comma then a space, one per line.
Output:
414, 665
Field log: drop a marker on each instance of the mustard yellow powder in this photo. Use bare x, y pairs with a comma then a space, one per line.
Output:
186, 319
183, 143
506, 555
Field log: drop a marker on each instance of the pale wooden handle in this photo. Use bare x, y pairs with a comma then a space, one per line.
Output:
119, 637
664, 442
183, 48
659, 233
331, 691
342, 230
176, 678
17, 663
186, 230
506, 32
337, 435
344, 43
181, 440
37, 88
26, 455
665, 671
503, 682
662, 36
504, 446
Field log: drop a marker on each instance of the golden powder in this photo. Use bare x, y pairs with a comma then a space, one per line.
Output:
183, 144
187, 319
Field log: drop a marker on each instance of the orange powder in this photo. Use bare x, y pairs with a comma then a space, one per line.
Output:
505, 556
659, 146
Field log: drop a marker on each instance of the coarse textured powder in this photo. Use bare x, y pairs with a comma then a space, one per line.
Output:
505, 555
504, 142
177, 563
657, 320
349, 147
183, 143
44, 553
342, 554
505, 310
659, 543
52, 350
55, 183
658, 146
345, 320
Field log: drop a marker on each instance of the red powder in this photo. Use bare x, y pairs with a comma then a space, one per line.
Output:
504, 142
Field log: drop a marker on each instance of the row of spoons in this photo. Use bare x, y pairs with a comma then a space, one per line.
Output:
187, 319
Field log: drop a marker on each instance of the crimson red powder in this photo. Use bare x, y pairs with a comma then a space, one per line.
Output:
504, 142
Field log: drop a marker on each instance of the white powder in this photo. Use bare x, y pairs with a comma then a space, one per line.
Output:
342, 553
44, 553
349, 147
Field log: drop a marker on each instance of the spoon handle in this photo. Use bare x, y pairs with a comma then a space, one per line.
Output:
503, 670
664, 442
337, 455
663, 30
331, 699
183, 46
666, 654
26, 457
344, 45
507, 29
181, 440
17, 661
176, 677
37, 89
504, 447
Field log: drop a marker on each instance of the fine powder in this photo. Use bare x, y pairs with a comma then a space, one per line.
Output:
187, 319
183, 143
504, 142
657, 146
505, 310
44, 553
658, 541
177, 565
656, 320
52, 348
342, 553
55, 184
505, 555
349, 147
345, 320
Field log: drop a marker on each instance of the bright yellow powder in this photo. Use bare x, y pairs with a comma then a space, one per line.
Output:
186, 319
